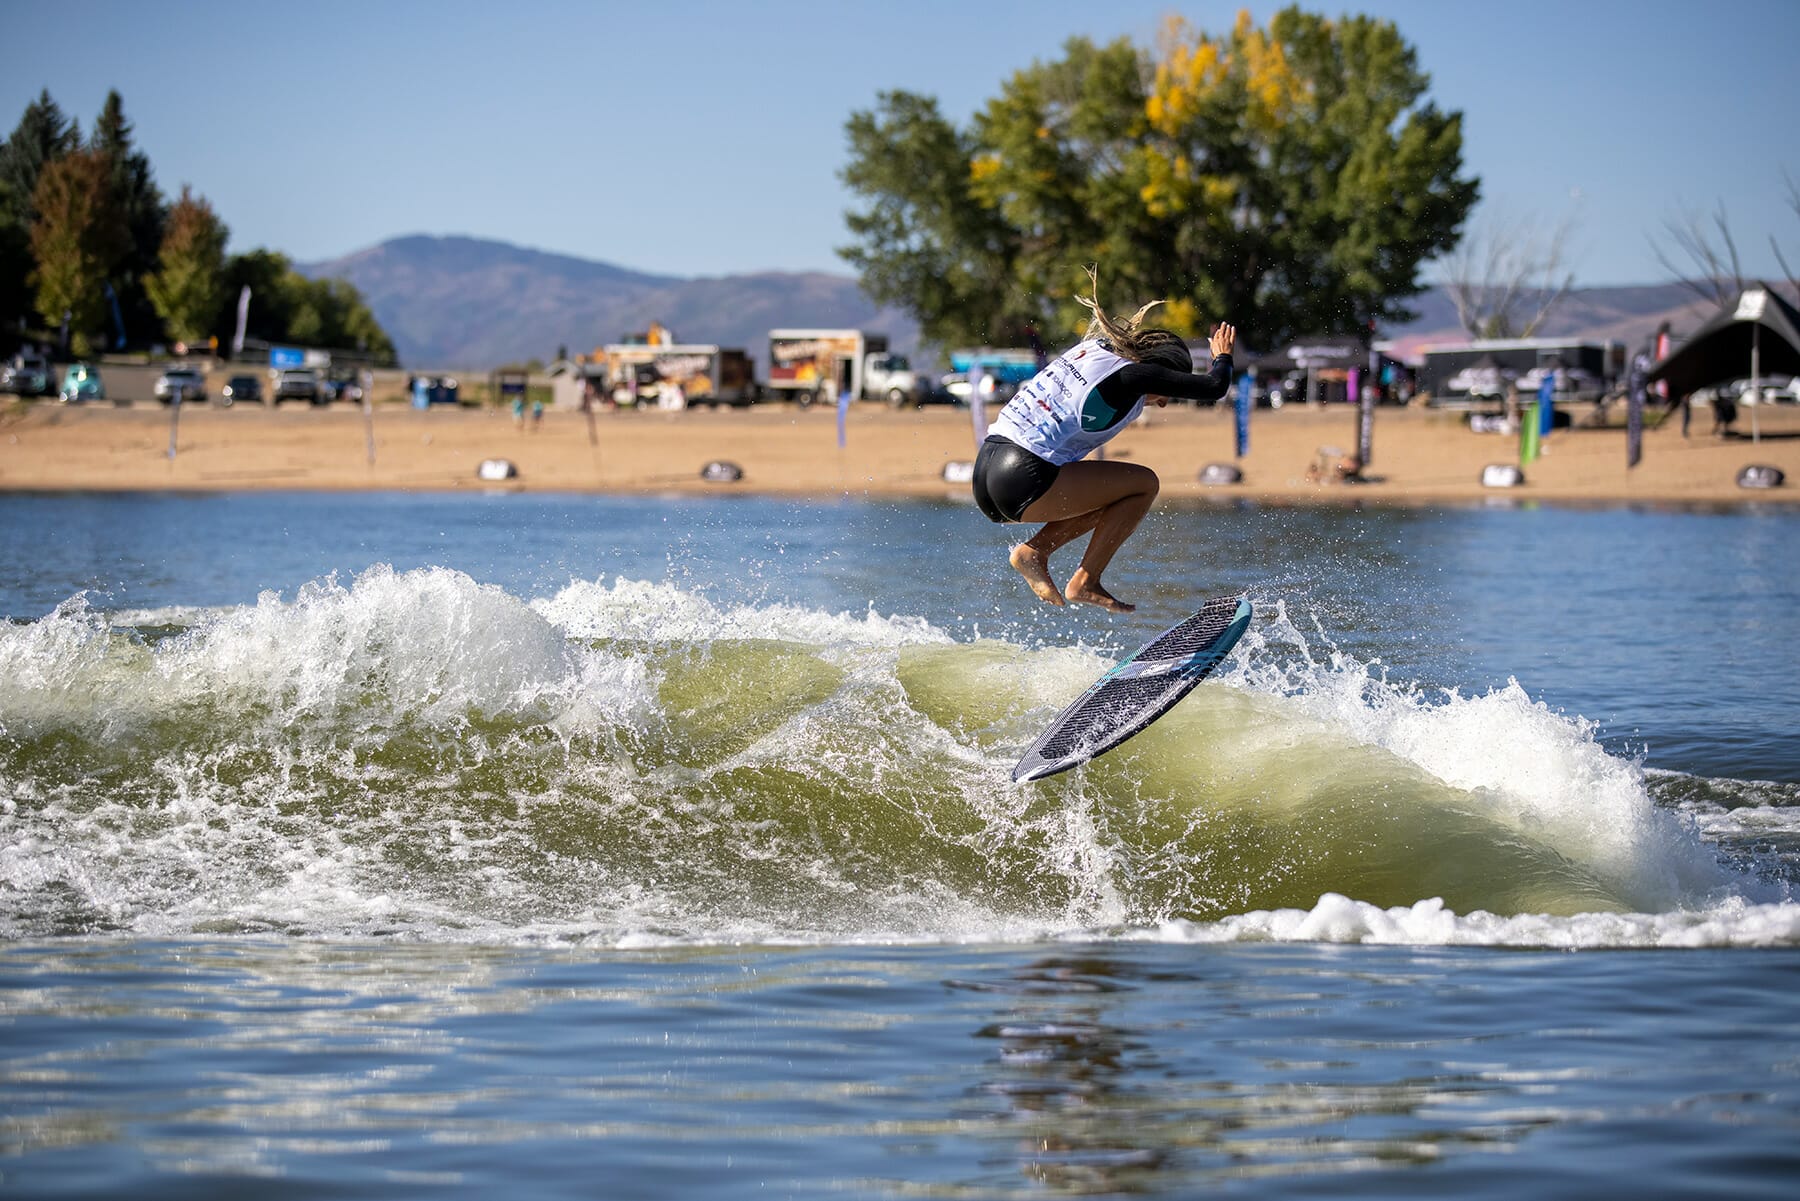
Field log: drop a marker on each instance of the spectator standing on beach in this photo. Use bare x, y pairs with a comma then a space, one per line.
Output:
1034, 465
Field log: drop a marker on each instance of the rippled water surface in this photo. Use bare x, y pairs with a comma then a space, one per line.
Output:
356, 845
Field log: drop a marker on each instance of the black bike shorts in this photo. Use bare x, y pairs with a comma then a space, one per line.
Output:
1008, 479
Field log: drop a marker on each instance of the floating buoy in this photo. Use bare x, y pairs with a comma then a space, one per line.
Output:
1221, 473
497, 469
1501, 475
719, 471
959, 471
1761, 475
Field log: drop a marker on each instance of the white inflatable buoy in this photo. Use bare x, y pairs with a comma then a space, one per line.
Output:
959, 471
1221, 473
497, 469
1761, 475
1501, 475
719, 471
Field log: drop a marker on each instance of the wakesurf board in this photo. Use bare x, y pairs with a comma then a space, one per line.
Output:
1141, 688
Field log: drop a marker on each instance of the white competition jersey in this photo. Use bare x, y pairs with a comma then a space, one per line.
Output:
1058, 414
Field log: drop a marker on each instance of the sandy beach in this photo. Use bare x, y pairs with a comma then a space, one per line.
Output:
1421, 456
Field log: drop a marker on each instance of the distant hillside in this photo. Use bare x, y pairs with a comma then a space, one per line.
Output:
471, 304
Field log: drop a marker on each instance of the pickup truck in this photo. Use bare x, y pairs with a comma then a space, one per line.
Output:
298, 383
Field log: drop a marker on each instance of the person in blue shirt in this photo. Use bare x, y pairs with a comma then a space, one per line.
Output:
1033, 467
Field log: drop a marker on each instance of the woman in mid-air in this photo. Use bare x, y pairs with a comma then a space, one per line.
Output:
1032, 466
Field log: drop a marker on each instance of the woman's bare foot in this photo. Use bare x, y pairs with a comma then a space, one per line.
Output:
1089, 592
1034, 565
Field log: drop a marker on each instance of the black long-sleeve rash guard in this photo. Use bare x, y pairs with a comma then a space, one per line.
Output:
1121, 389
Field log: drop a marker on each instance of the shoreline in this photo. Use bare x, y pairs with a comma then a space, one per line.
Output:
1421, 457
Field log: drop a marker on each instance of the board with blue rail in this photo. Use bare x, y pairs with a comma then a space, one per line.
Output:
1138, 690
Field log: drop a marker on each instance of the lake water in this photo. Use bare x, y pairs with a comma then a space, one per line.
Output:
587, 846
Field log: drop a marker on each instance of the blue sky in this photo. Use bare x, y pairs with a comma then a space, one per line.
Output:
702, 138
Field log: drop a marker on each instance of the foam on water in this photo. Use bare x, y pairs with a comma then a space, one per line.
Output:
417, 755
1731, 923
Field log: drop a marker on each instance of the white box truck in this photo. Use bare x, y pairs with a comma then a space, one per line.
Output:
809, 364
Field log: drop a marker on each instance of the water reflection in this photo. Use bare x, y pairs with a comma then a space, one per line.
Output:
1112, 1079
1064, 1074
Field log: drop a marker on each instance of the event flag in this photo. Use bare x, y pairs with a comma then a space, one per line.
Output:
1634, 422
1243, 415
1528, 436
978, 405
1547, 404
1362, 393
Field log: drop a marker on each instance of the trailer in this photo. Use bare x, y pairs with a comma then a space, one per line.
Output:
1584, 370
806, 364
674, 376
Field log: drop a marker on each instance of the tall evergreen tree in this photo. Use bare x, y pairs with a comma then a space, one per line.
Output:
141, 206
44, 134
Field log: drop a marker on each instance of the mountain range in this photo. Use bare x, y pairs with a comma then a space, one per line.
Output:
473, 304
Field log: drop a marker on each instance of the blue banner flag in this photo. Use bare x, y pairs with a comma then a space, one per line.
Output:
1243, 415
843, 411
1546, 403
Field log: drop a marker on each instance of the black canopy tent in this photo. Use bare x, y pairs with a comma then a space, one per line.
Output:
1759, 335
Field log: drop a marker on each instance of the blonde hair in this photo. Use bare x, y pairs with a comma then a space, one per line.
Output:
1126, 335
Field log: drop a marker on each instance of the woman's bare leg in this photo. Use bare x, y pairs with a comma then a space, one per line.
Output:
1031, 558
1109, 498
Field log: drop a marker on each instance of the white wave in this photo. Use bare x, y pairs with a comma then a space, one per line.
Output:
1541, 772
1734, 922
185, 842
430, 644
661, 612
163, 615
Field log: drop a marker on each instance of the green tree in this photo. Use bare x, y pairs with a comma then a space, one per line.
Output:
186, 290
923, 242
1291, 179
265, 273
286, 306
43, 135
145, 214
76, 240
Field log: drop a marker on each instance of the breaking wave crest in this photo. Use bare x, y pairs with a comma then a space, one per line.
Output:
416, 755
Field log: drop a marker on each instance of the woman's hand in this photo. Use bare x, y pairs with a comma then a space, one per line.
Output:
1223, 338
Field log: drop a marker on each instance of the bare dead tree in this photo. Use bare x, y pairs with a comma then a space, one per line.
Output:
1710, 269
1793, 199
1507, 276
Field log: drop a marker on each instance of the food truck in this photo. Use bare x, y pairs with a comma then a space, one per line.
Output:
806, 364
676, 375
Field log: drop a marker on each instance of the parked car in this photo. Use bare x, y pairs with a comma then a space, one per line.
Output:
428, 390
953, 388
298, 383
82, 382
936, 392
246, 388
186, 380
1770, 389
28, 375
341, 389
